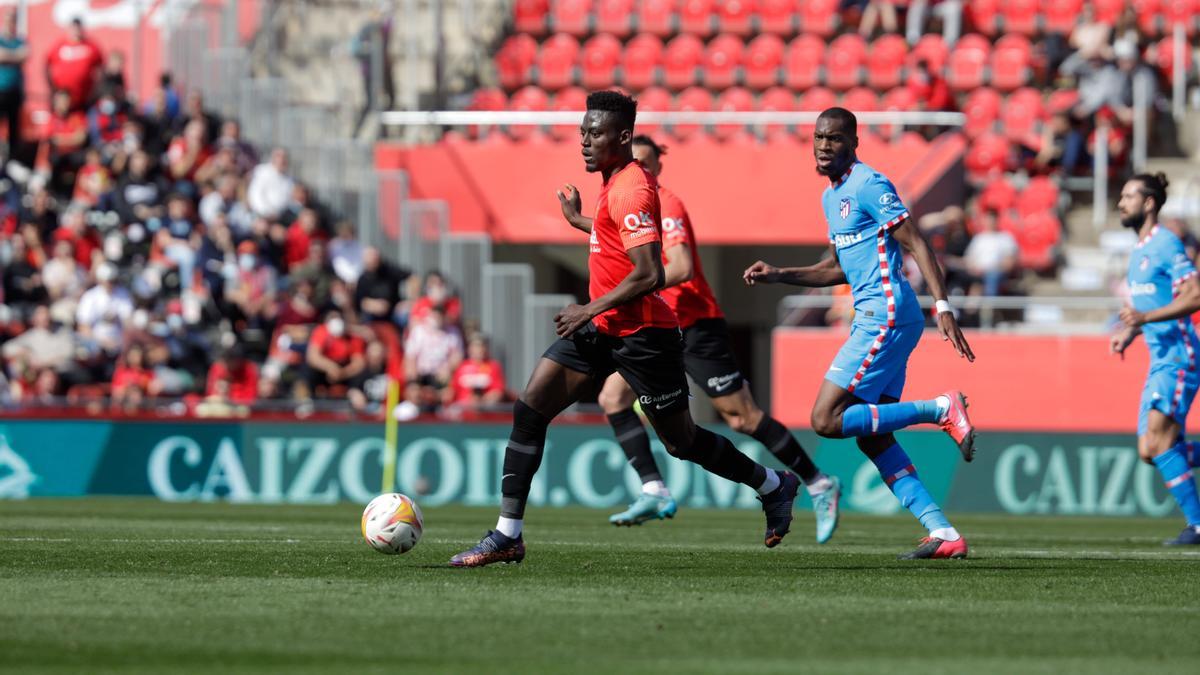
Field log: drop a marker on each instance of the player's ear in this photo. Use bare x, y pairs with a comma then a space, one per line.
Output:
626, 137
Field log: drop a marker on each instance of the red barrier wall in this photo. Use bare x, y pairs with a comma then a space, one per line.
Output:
1017, 382
736, 193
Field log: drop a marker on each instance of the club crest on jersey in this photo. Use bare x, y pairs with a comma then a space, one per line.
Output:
844, 209
635, 222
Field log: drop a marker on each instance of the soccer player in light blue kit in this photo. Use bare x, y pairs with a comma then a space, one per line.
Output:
1165, 293
869, 231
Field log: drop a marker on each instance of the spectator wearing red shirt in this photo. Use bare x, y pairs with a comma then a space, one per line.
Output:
334, 357
73, 65
479, 380
93, 180
300, 236
106, 122
74, 229
930, 88
186, 154
438, 295
66, 136
132, 381
233, 378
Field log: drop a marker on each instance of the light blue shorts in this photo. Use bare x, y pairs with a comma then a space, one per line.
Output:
1169, 389
874, 361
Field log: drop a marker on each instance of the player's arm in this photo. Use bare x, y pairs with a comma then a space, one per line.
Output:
1185, 303
826, 272
1119, 342
569, 201
679, 268
913, 243
647, 276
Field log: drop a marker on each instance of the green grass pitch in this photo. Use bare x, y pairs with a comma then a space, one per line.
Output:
97, 585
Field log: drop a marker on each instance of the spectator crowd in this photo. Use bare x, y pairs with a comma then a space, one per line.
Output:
152, 256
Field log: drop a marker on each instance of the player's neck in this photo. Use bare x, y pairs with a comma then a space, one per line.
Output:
1147, 228
616, 168
837, 176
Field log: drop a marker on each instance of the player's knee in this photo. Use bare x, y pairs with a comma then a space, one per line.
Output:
745, 421
526, 418
613, 402
827, 424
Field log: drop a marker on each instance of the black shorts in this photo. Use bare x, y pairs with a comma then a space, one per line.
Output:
708, 358
650, 360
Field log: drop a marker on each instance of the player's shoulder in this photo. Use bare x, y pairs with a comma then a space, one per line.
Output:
668, 198
633, 177
865, 176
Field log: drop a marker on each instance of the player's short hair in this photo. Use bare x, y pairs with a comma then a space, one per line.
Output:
1154, 186
620, 105
849, 121
658, 148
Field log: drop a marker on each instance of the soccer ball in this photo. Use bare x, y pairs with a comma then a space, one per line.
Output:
392, 523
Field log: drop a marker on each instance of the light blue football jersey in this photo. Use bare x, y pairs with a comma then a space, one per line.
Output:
860, 209
1157, 266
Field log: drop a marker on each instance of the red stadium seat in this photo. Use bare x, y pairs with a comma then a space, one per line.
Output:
817, 99
615, 17
640, 62
1020, 16
885, 64
933, 50
1011, 62
982, 108
488, 99
778, 17
819, 17
998, 195
571, 99
1060, 16
694, 99
514, 61
777, 99
844, 61
1022, 113
681, 60
967, 65
656, 17
1039, 196
733, 16
1108, 11
601, 54
974, 41
722, 60
1038, 238
1164, 53
860, 99
556, 62
654, 99
734, 99
572, 17
900, 99
1180, 11
1148, 16
527, 99
988, 155
802, 63
697, 17
763, 57
529, 16
984, 15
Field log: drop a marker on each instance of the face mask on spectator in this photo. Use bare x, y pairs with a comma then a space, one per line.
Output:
336, 327
107, 107
174, 321
246, 261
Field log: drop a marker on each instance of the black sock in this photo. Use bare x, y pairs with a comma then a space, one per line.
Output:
718, 456
634, 440
522, 459
781, 443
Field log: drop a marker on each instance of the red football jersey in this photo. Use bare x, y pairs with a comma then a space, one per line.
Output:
627, 216
692, 300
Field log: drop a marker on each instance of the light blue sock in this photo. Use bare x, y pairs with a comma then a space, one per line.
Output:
900, 475
868, 419
1173, 466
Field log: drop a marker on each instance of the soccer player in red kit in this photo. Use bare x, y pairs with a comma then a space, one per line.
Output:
626, 328
707, 358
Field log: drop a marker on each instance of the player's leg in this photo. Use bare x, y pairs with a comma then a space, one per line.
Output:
558, 380
617, 399
742, 414
868, 361
651, 361
1161, 443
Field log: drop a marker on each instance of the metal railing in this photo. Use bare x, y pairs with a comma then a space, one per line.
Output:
1033, 313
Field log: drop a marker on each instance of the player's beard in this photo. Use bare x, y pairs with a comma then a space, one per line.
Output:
1133, 222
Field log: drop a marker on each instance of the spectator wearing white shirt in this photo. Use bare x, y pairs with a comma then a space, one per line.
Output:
270, 186
432, 352
991, 256
346, 254
225, 200
104, 310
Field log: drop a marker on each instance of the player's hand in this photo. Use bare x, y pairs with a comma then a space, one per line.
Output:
569, 201
571, 319
1132, 318
761, 272
1119, 342
948, 326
